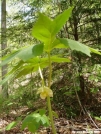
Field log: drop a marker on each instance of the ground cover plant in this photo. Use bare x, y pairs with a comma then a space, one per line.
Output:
35, 58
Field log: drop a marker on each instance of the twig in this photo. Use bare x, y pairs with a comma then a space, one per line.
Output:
91, 118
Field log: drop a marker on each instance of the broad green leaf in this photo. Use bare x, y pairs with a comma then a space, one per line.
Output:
75, 45
43, 28
61, 19
32, 128
27, 120
45, 121
11, 125
58, 44
59, 59
94, 51
34, 121
38, 49
26, 53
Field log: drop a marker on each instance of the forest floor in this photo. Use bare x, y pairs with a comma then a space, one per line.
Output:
80, 125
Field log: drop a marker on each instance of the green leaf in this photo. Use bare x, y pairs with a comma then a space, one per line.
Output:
32, 128
75, 45
61, 19
42, 28
12, 73
45, 29
26, 70
11, 125
98, 118
38, 49
34, 121
94, 51
2, 82
45, 121
26, 53
58, 44
55, 114
8, 58
42, 111
16, 67
28, 119
59, 60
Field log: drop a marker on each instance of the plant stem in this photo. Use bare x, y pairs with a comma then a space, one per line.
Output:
51, 115
50, 71
48, 98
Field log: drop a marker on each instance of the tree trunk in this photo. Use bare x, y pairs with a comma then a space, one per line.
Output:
3, 45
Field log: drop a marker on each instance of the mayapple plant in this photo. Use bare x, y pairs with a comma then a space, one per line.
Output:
31, 60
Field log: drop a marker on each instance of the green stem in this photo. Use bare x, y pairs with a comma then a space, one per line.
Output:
50, 71
48, 98
51, 115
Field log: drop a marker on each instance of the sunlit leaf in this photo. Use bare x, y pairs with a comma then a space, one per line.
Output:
61, 19
57, 44
98, 118
42, 28
75, 45
94, 51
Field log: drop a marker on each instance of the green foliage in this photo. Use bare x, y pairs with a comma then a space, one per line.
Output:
61, 19
98, 118
75, 45
38, 49
11, 125
35, 120
46, 29
30, 59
